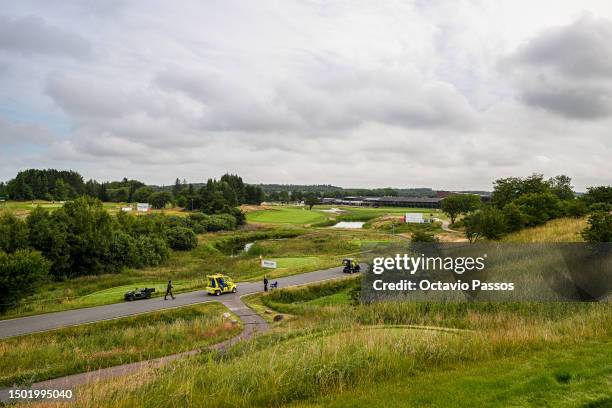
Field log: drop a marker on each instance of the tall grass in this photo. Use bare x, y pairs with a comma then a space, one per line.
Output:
559, 230
340, 347
71, 350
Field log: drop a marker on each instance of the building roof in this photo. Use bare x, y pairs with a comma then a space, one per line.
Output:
405, 199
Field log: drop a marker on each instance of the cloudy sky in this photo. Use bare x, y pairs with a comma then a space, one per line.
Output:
445, 94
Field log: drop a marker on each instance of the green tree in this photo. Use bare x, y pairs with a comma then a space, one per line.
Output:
600, 194
177, 188
575, 208
311, 200
20, 274
181, 238
457, 204
539, 207
506, 190
160, 199
142, 194
13, 233
489, 223
48, 233
515, 218
561, 186
60, 191
599, 228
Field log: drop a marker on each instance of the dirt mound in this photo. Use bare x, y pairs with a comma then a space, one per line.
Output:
247, 208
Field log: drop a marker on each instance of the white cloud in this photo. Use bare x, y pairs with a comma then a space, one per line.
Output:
346, 92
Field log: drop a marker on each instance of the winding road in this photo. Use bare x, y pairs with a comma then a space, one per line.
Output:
49, 321
252, 324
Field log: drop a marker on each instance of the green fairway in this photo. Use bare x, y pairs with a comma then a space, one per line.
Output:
286, 215
56, 353
295, 215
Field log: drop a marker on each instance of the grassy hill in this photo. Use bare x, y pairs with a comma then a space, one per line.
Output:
329, 352
559, 230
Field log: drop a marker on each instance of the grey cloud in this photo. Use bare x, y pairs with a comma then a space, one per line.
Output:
567, 70
33, 34
338, 101
20, 134
579, 50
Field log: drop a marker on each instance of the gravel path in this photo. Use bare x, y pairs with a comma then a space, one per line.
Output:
251, 321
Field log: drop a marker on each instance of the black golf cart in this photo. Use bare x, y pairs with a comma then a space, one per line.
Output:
350, 265
137, 294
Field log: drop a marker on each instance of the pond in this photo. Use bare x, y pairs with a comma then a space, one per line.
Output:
349, 224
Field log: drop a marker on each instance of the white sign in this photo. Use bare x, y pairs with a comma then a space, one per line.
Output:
142, 207
414, 218
126, 209
268, 264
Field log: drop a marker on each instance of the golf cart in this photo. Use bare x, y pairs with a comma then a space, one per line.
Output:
218, 284
350, 265
137, 294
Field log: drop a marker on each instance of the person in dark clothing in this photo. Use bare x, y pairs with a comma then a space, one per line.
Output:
169, 291
265, 283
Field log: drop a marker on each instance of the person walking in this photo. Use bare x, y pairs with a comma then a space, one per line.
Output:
265, 283
169, 291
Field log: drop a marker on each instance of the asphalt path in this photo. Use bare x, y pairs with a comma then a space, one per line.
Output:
56, 320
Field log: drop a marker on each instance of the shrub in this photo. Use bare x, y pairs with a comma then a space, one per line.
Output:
423, 236
488, 222
151, 250
599, 229
575, 208
124, 250
181, 238
20, 275
13, 233
515, 218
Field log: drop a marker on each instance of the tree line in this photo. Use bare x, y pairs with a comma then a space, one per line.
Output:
60, 185
518, 203
82, 238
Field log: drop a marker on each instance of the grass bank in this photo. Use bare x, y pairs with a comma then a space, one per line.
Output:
57, 353
333, 348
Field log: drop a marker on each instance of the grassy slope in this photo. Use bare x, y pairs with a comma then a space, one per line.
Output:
560, 230
316, 249
332, 351
83, 348
576, 376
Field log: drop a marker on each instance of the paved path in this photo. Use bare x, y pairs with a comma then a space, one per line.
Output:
445, 225
251, 321
56, 320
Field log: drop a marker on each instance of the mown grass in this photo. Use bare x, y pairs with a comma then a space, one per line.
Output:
286, 215
334, 348
295, 215
52, 354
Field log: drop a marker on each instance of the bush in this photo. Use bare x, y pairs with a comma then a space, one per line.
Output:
181, 238
20, 274
151, 250
124, 250
488, 223
599, 229
13, 233
221, 222
423, 236
515, 218
575, 208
